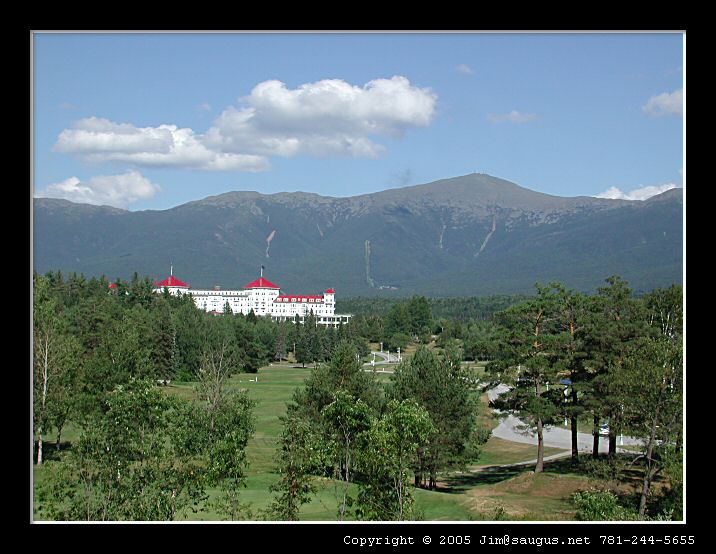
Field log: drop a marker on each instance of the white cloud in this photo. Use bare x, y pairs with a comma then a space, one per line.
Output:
512, 117
325, 118
642, 193
112, 190
205, 107
100, 140
464, 69
329, 117
665, 104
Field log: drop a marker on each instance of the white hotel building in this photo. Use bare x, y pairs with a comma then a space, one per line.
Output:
263, 297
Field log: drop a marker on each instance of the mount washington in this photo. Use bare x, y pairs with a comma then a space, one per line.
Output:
466, 236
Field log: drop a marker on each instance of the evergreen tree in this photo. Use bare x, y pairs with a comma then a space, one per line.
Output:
280, 343
571, 319
617, 320
437, 385
528, 344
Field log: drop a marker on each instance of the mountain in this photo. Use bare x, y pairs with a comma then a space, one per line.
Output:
469, 235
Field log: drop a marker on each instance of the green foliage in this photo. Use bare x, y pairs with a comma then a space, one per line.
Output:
388, 450
126, 465
57, 361
438, 384
344, 372
345, 419
461, 308
649, 387
604, 469
295, 459
553, 241
227, 463
599, 505
398, 340
105, 349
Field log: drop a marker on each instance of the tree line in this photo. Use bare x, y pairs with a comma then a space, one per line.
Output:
99, 354
610, 357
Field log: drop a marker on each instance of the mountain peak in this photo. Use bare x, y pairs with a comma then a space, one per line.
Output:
469, 235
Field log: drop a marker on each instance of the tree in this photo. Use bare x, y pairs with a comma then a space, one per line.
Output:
162, 337
190, 326
227, 463
301, 346
438, 385
528, 347
253, 350
218, 361
336, 403
56, 358
344, 372
397, 320
649, 385
387, 452
345, 419
571, 316
480, 340
420, 317
312, 338
216, 428
280, 344
295, 459
126, 464
616, 320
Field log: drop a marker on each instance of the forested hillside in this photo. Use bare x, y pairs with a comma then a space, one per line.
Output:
474, 235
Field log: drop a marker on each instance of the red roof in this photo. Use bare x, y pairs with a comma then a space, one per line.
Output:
330, 291
171, 281
261, 283
112, 285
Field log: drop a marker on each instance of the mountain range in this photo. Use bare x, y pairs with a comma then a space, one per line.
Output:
465, 236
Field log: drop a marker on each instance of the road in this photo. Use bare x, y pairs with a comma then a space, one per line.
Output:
512, 429
388, 357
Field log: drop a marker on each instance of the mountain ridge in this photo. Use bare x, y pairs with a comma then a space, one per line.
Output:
476, 234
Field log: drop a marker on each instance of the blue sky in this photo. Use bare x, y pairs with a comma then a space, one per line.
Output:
151, 121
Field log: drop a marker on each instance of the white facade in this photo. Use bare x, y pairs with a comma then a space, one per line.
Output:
264, 298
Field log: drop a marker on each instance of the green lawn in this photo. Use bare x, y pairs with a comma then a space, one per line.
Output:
504, 452
272, 387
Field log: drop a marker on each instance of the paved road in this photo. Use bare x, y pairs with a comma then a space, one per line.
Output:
388, 357
512, 429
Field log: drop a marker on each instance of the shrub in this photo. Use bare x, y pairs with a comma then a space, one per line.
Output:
600, 505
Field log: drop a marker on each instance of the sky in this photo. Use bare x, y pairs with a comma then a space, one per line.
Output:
154, 120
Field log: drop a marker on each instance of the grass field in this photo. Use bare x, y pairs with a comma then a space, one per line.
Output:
473, 495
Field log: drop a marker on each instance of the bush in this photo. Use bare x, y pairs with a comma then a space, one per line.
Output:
596, 505
608, 469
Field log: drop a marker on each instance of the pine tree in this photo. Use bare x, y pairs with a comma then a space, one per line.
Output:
436, 384
528, 344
